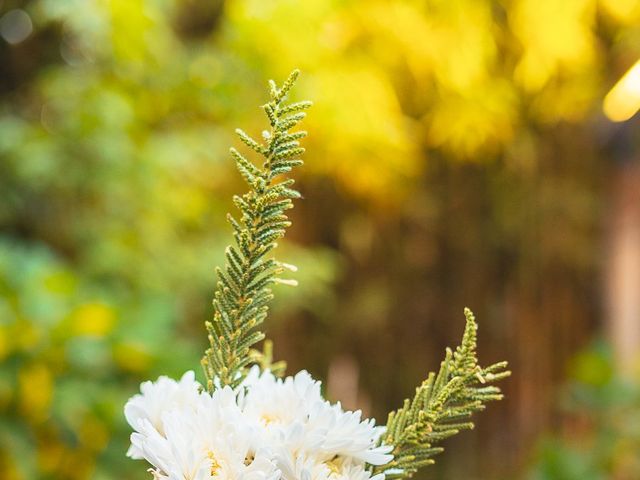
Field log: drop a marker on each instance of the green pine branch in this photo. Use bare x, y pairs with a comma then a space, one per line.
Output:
441, 407
242, 296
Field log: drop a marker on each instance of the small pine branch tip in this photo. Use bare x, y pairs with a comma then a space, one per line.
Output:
442, 406
243, 293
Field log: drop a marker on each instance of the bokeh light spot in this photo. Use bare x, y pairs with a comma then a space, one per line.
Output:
623, 101
15, 26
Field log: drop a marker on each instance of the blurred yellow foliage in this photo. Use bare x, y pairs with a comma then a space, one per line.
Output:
36, 390
60, 282
95, 319
94, 434
4, 344
557, 37
368, 133
132, 357
624, 11
51, 455
476, 124
26, 335
132, 24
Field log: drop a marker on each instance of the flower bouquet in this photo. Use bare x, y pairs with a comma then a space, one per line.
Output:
250, 422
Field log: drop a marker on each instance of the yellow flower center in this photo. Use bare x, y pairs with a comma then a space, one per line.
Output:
267, 418
335, 465
215, 466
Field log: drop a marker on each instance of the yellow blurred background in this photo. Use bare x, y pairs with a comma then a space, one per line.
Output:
461, 153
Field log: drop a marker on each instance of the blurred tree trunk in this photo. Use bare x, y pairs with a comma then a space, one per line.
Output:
623, 268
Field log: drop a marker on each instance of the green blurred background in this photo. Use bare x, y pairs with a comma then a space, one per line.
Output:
458, 156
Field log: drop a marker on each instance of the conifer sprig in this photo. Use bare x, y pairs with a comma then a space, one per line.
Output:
242, 296
442, 406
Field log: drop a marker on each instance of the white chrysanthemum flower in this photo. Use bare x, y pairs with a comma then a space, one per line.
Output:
351, 471
229, 440
176, 455
348, 435
276, 402
294, 415
311, 468
157, 398
205, 440
301, 467
267, 429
